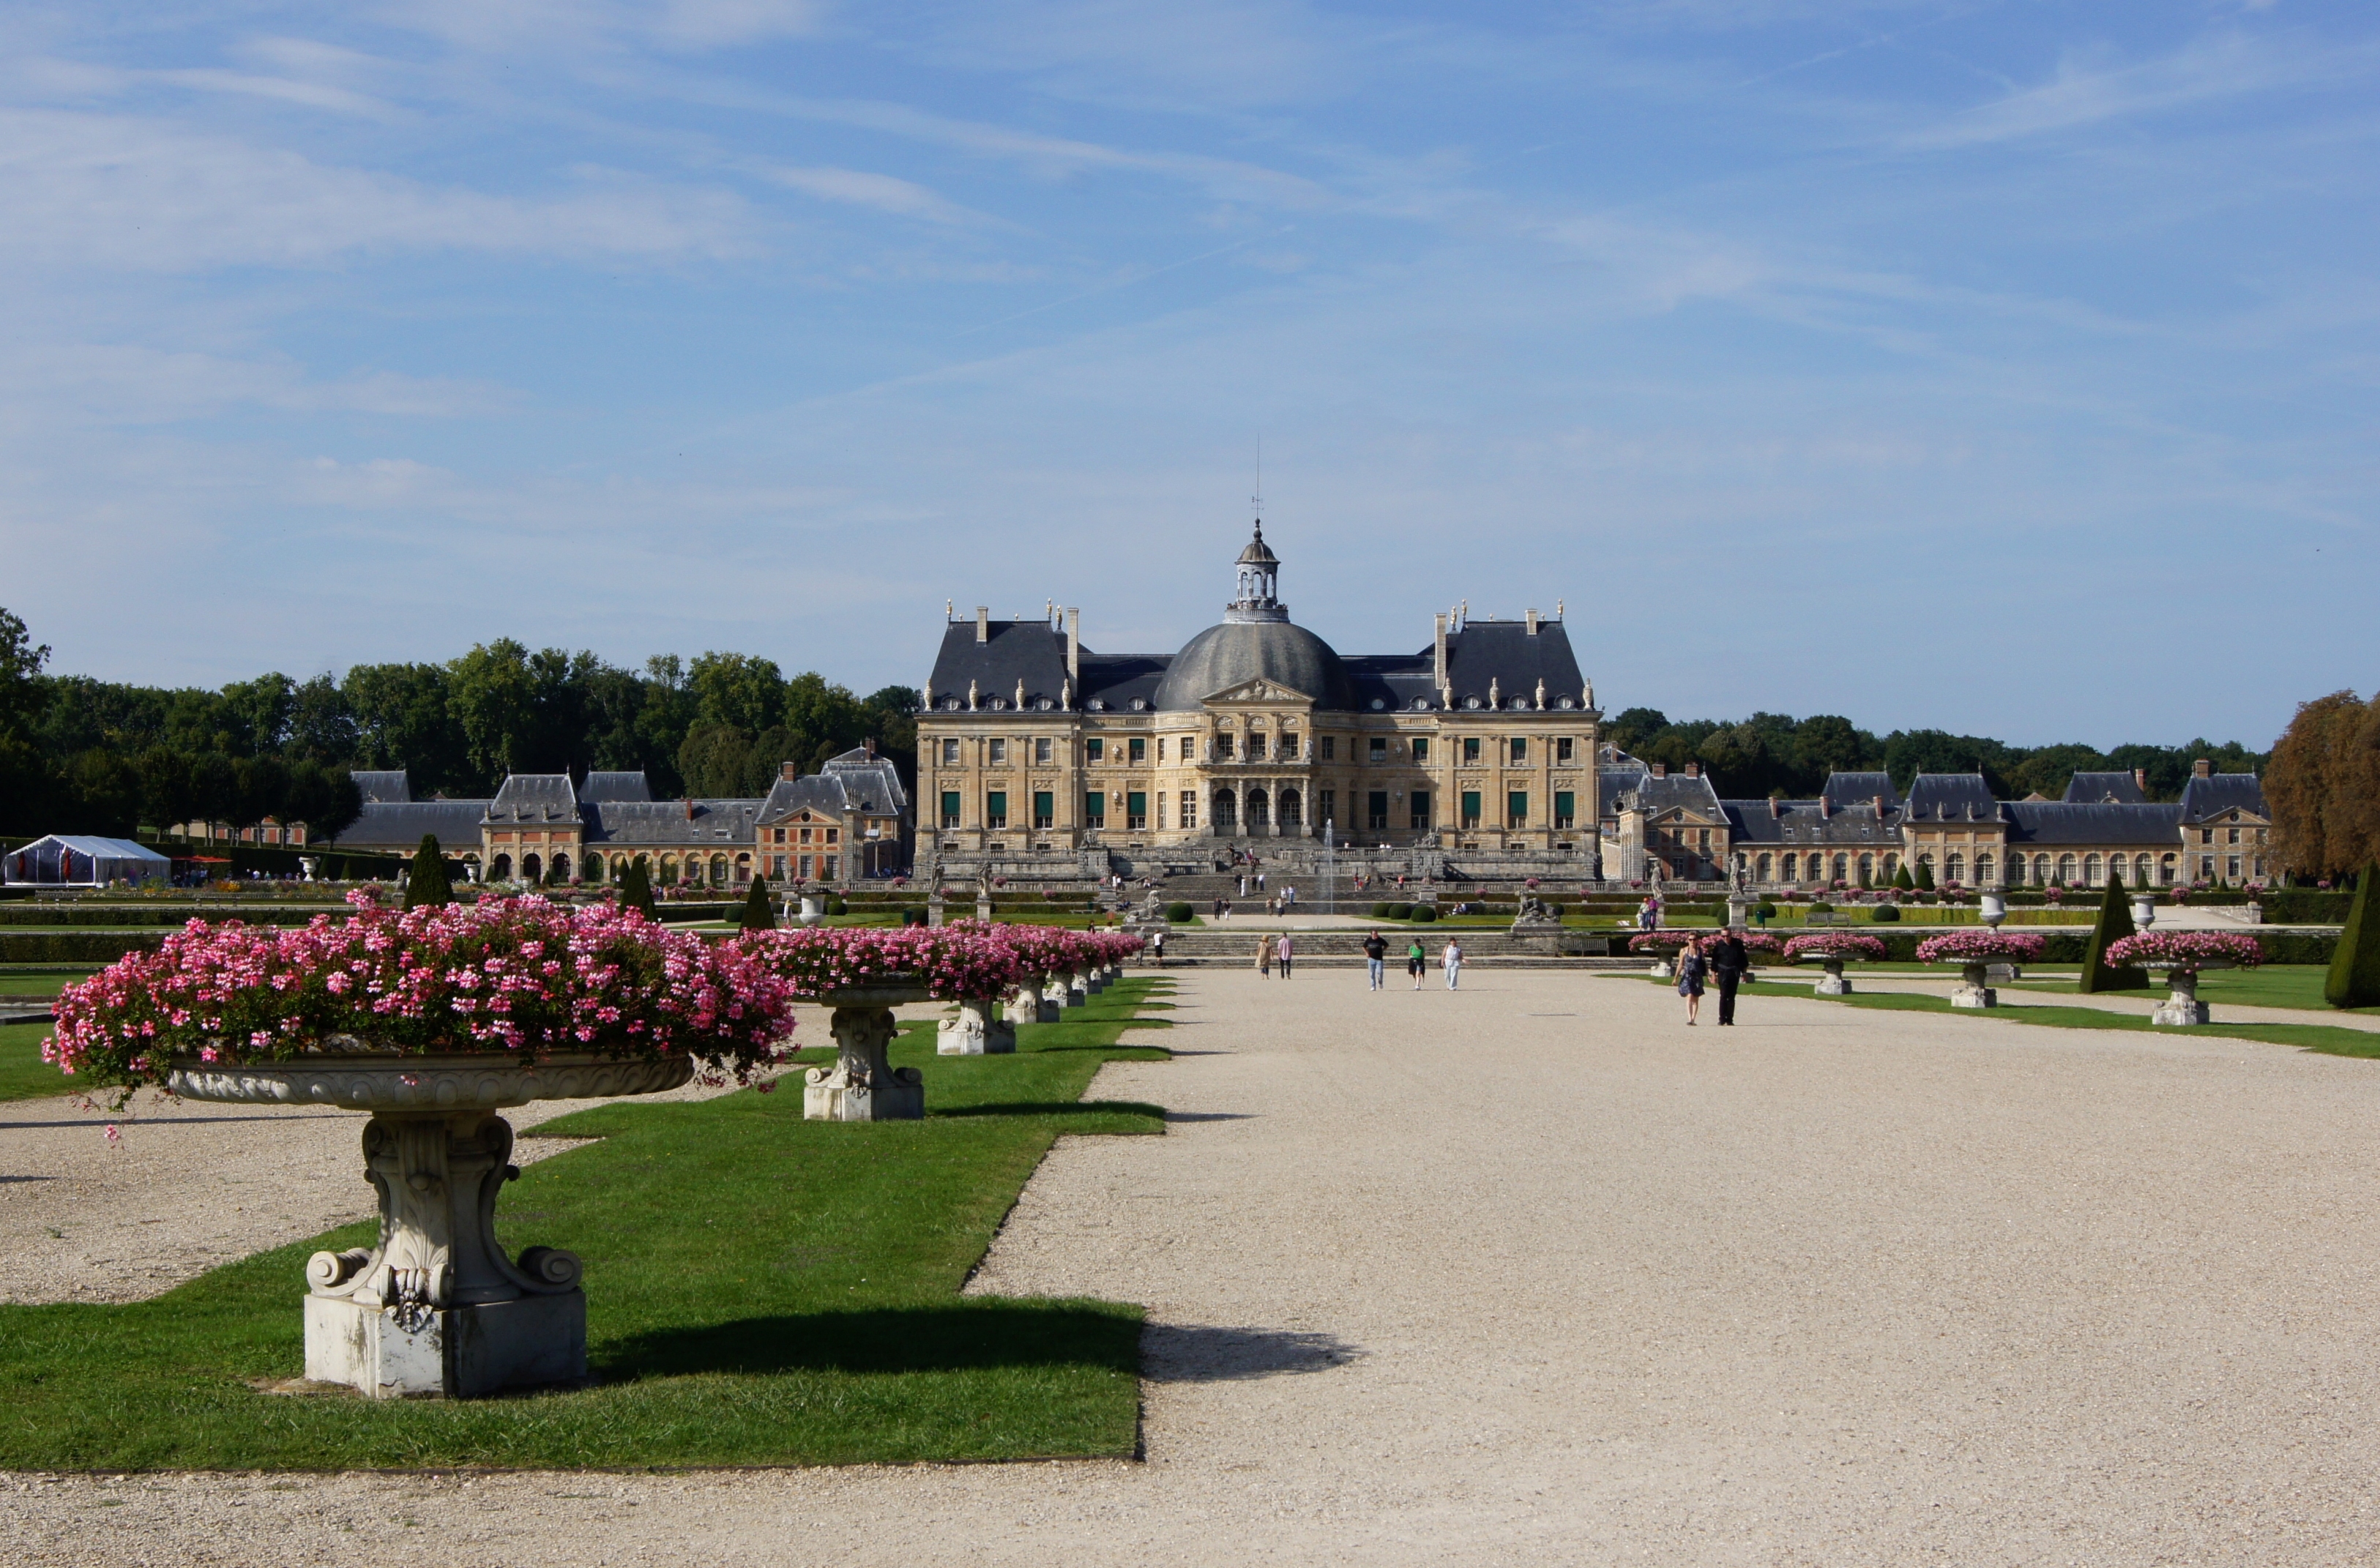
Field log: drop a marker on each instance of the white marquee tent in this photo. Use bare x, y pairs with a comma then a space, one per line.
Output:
78, 861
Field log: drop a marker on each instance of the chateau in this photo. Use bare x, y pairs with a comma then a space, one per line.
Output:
1038, 758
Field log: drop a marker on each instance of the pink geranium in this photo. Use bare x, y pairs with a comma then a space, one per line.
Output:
2185, 950
1980, 947
1833, 944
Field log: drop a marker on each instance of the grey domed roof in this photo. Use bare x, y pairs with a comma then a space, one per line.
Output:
1258, 554
1236, 651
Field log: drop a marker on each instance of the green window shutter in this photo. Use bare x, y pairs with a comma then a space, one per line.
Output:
950, 808
1045, 808
1376, 808
1135, 802
1095, 808
1516, 807
995, 808
1470, 808
1565, 808
1420, 801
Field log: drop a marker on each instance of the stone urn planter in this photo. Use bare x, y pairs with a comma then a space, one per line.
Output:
1078, 987
813, 910
1831, 951
1033, 1004
971, 1030
2143, 910
1977, 954
2181, 956
861, 1085
1993, 910
436, 1308
2181, 1008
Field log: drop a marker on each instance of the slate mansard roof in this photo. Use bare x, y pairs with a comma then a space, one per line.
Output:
2215, 794
1808, 825
2148, 824
1502, 661
387, 787
2104, 789
400, 824
1950, 798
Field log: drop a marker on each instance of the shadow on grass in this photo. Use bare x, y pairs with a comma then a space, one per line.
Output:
961, 1337
1208, 1115
1193, 1353
1059, 1107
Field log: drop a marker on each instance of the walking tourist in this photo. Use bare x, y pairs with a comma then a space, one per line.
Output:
1417, 961
1287, 950
1156, 946
1375, 958
1264, 955
1648, 915
1729, 959
1451, 960
1692, 967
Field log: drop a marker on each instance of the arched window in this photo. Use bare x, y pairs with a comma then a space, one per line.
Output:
1760, 871
530, 870
1842, 867
591, 867
1789, 869
743, 870
2092, 875
500, 869
1893, 865
2066, 869
669, 869
1256, 808
1293, 810
1867, 867
561, 868
2041, 871
2165, 871
1227, 811
1982, 870
1954, 867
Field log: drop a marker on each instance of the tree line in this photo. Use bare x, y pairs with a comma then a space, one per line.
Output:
2325, 788
79, 755
1774, 754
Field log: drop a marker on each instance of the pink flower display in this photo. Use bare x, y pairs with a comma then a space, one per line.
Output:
512, 975
1663, 942
1833, 944
1980, 947
966, 960
2185, 950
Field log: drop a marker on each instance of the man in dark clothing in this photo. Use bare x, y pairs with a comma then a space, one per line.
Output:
1376, 956
1729, 960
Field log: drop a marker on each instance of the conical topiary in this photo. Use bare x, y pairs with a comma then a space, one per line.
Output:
1902, 880
1925, 876
759, 913
2114, 922
2354, 978
636, 889
427, 885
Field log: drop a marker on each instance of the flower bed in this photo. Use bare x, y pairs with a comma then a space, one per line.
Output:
1833, 944
1671, 941
2185, 950
1980, 947
965, 960
518, 975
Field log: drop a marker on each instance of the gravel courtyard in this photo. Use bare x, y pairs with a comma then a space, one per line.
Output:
1534, 1273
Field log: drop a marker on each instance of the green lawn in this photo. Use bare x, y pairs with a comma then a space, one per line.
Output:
2273, 985
761, 1289
2310, 1037
24, 1074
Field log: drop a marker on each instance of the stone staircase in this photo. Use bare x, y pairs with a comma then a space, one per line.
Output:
1223, 947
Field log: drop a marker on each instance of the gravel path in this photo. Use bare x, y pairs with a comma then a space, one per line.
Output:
1536, 1274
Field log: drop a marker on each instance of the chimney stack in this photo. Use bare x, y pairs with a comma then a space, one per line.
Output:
1776, 808
1533, 623
1660, 770
2203, 769
2140, 780
983, 622
1440, 678
689, 809
788, 771
1879, 808
1073, 646
1693, 770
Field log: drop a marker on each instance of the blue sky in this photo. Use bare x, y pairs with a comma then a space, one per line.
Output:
2009, 368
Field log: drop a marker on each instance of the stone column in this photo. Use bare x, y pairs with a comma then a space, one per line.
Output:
862, 1086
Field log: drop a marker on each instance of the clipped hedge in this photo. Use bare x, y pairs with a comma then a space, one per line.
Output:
1425, 913
1399, 911
74, 947
1885, 914
2305, 906
1179, 913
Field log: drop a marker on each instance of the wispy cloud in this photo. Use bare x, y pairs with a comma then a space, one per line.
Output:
691, 25
885, 193
136, 384
151, 196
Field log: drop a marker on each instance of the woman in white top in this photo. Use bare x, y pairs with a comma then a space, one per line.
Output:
1451, 960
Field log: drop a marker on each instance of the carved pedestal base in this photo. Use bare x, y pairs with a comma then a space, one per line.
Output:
1663, 970
862, 1086
1834, 983
1031, 1006
1971, 990
975, 1032
459, 1353
1078, 991
437, 1309
2181, 1008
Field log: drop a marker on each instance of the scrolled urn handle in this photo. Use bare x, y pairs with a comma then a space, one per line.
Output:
326, 1271
551, 1267
908, 1076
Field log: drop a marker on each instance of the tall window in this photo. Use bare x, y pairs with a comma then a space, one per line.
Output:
1256, 745
1789, 868
999, 753
1470, 806
1045, 809
1041, 750
1136, 750
1290, 810
1227, 811
1161, 757
1421, 749
1222, 754
1516, 809
1565, 748
1189, 808
1094, 808
1136, 808
1094, 749
1376, 810
1330, 748
1519, 750
1256, 808
1471, 749
1419, 801
1566, 811
1289, 754
1379, 751
995, 808
950, 753
1326, 806
950, 808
